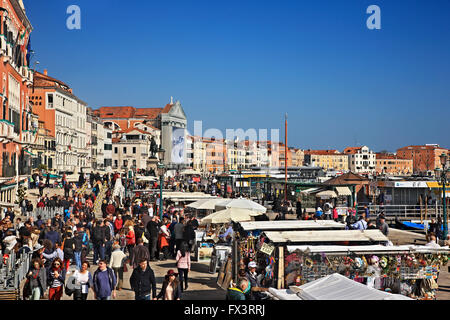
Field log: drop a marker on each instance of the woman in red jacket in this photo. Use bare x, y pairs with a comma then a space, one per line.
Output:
118, 223
131, 241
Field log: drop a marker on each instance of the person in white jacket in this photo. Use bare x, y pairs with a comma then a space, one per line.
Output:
10, 241
117, 263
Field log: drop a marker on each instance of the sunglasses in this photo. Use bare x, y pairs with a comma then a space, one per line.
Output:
57, 264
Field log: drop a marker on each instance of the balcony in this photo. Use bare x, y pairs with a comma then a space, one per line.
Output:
6, 129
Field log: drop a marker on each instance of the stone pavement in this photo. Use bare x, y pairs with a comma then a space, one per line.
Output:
202, 284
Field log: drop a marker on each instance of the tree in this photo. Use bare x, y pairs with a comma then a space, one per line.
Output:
21, 194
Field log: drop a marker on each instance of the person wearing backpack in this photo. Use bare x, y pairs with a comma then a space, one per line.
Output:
104, 282
98, 241
69, 250
78, 241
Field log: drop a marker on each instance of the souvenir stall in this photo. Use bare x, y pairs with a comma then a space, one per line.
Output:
411, 271
251, 242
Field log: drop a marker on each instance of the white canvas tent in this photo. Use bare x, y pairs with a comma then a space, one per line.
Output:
205, 204
229, 214
241, 203
334, 287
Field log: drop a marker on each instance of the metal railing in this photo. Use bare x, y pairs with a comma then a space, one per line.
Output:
47, 212
412, 212
14, 271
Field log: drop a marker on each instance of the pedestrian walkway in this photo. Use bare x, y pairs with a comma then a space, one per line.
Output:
202, 284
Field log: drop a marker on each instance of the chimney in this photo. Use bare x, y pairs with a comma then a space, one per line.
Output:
45, 72
171, 100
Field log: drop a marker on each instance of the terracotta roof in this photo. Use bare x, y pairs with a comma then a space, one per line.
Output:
385, 156
432, 147
352, 150
128, 112
346, 179
322, 152
167, 108
149, 113
41, 80
134, 129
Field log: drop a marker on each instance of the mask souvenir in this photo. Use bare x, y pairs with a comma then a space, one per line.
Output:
383, 262
364, 261
375, 261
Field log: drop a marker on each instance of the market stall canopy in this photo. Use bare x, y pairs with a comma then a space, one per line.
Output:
190, 172
343, 191
228, 215
311, 190
327, 194
291, 225
335, 287
241, 203
326, 236
146, 178
205, 204
378, 249
186, 196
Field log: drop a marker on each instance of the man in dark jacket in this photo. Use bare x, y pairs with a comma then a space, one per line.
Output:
153, 230
140, 252
189, 233
143, 282
99, 240
104, 282
53, 235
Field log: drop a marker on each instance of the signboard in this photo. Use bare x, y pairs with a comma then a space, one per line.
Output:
178, 145
411, 184
267, 249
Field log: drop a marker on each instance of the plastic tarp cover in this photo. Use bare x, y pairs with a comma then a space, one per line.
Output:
338, 287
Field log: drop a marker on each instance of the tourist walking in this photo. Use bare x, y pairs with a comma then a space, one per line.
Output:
143, 282
56, 277
83, 281
131, 241
171, 289
183, 260
140, 252
117, 263
37, 279
104, 282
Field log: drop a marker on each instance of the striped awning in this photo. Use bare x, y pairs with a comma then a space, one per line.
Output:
343, 191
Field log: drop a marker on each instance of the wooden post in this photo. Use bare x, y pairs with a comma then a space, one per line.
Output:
426, 208
280, 284
421, 213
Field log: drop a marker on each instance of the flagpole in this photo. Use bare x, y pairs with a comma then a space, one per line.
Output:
285, 158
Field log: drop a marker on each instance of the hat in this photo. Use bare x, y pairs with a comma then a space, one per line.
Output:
171, 273
37, 247
252, 264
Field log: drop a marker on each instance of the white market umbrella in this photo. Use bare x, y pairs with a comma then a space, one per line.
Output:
241, 203
204, 204
230, 214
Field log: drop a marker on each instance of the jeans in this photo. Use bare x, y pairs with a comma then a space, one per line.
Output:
99, 251
141, 298
153, 248
78, 259
104, 298
183, 277
35, 294
108, 249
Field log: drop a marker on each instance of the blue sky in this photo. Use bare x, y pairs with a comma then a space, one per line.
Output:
244, 64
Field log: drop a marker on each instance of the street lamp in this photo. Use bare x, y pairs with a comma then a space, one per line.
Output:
441, 176
161, 171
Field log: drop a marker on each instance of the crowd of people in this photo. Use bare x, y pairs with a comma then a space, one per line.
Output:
130, 235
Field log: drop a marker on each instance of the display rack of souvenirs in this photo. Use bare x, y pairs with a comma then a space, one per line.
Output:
413, 274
